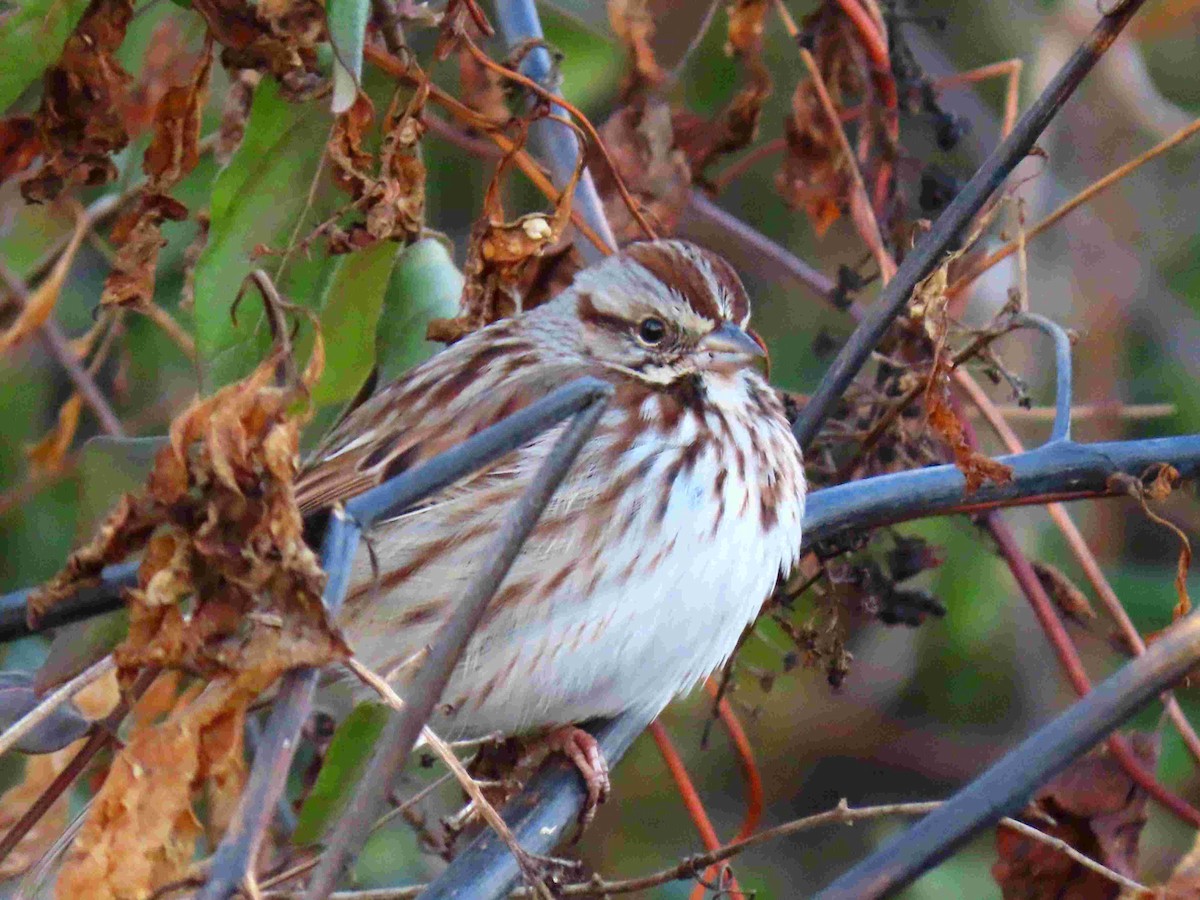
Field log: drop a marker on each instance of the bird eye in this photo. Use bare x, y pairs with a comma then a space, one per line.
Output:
652, 330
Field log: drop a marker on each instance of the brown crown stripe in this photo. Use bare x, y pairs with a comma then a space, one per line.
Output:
735, 291
670, 264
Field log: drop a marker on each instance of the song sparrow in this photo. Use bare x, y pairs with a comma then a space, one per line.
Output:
656, 551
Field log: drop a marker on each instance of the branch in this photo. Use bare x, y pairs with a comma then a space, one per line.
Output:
954, 219
57, 344
555, 143
1063, 470
1008, 785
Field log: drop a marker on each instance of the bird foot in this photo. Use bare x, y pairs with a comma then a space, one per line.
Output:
584, 753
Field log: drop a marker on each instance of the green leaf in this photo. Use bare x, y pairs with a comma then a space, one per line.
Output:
347, 28
425, 284
256, 199
344, 763
33, 33
350, 306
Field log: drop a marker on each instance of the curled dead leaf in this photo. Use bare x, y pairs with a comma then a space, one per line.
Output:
41, 301
390, 192
633, 23
1093, 806
976, 468
48, 454
20, 145
142, 826
218, 521
641, 141
500, 255
173, 153
1067, 596
80, 118
278, 37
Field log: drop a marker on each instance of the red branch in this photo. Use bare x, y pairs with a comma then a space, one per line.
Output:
695, 807
1068, 656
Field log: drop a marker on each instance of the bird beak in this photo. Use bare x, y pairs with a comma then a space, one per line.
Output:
729, 340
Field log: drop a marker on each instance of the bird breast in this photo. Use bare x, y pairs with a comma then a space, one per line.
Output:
654, 554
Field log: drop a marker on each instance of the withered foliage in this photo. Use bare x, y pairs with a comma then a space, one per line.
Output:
1094, 807
736, 126
641, 142
218, 523
500, 257
94, 702
388, 191
173, 152
633, 23
79, 124
227, 590
142, 827
276, 36
815, 173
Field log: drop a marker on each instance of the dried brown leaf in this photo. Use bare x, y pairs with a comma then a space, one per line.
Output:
48, 454
80, 118
142, 828
235, 112
390, 193
278, 37
218, 521
976, 468
20, 145
499, 257
168, 60
174, 148
641, 141
173, 153
482, 89
40, 771
1067, 596
137, 235
813, 176
1094, 807
633, 23
40, 303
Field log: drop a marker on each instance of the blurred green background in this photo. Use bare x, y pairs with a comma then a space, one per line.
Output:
922, 710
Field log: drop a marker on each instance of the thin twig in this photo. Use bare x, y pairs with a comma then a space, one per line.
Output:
446, 754
1074, 203
873, 236
950, 224
52, 701
60, 348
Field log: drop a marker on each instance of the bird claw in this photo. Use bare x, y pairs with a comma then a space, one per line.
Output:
585, 754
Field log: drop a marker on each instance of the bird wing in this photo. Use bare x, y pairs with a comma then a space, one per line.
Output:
464, 389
